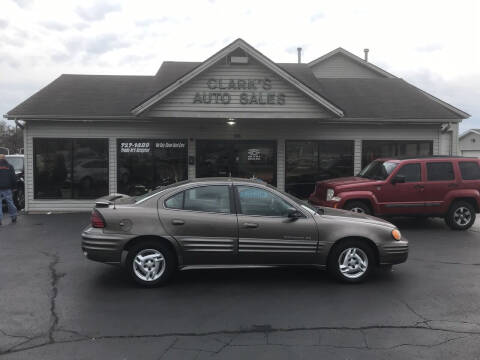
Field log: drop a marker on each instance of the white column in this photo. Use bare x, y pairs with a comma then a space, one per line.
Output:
357, 156
281, 164
112, 165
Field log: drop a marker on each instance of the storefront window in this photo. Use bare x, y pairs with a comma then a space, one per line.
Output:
374, 149
70, 168
238, 158
307, 162
145, 164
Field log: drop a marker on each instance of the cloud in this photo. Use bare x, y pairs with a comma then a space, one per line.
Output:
3, 23
97, 11
316, 17
95, 46
54, 25
148, 22
23, 3
430, 47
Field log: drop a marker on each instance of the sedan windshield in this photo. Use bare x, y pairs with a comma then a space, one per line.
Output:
16, 162
378, 170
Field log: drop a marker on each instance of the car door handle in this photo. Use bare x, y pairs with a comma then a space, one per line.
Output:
419, 187
178, 222
452, 185
250, 225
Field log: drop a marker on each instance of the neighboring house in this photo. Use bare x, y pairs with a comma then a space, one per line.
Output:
237, 113
469, 143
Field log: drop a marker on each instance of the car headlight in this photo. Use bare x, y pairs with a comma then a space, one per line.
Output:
330, 193
396, 234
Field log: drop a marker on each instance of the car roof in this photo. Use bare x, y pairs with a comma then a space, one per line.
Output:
431, 157
226, 179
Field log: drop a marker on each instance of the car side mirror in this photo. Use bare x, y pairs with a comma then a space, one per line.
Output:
294, 213
399, 179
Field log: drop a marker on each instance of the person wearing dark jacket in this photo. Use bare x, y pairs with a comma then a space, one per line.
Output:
8, 182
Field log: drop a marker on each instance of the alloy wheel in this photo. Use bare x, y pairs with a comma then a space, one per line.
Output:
353, 263
149, 264
462, 216
358, 210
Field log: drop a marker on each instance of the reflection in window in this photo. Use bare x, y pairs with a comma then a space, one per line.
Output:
256, 201
144, 165
412, 172
215, 198
374, 149
307, 162
237, 158
70, 168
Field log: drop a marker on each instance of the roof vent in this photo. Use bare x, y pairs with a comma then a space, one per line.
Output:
238, 59
366, 53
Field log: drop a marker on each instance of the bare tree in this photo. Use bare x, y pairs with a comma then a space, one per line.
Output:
11, 137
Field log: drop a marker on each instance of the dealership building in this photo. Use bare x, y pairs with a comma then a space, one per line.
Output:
237, 114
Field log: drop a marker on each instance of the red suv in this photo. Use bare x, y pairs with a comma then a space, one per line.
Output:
447, 187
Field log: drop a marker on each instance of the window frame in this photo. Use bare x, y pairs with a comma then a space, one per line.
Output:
440, 162
71, 145
230, 199
239, 207
404, 165
460, 169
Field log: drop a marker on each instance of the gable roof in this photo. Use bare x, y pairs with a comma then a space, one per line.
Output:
470, 131
113, 96
255, 54
353, 57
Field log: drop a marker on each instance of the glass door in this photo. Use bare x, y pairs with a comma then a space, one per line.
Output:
237, 158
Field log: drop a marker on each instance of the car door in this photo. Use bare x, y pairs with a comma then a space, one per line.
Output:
266, 235
406, 197
440, 181
203, 222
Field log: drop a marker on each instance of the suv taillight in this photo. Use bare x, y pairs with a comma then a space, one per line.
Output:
97, 220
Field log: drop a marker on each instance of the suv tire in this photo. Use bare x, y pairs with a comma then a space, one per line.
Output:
351, 261
150, 263
358, 207
460, 216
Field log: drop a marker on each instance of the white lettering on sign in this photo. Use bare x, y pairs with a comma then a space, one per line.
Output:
135, 147
254, 155
170, 145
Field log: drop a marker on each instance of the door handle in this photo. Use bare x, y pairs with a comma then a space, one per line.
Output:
178, 222
419, 187
250, 225
452, 185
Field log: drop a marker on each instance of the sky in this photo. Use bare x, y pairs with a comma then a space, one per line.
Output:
435, 45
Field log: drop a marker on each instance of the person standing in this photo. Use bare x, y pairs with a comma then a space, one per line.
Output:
8, 182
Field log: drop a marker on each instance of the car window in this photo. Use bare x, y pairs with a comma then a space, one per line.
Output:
378, 170
438, 171
412, 172
256, 201
213, 198
175, 201
470, 170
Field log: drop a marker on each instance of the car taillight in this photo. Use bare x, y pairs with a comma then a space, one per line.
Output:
97, 220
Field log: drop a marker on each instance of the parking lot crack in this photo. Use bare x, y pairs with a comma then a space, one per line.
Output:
54, 278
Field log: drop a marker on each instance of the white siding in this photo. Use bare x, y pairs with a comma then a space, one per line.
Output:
340, 66
271, 129
181, 102
470, 143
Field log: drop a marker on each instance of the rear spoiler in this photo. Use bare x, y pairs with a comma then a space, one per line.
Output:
106, 201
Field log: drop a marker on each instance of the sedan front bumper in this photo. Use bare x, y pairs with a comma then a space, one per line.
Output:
393, 253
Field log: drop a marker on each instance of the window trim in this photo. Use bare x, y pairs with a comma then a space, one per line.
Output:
238, 206
460, 169
72, 139
230, 198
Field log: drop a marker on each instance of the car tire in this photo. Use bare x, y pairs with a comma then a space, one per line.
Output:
351, 261
20, 199
460, 216
150, 263
358, 207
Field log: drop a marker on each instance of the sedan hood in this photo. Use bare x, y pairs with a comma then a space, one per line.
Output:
349, 215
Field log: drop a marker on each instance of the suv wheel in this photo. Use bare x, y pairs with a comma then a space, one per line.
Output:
461, 216
351, 261
150, 263
358, 207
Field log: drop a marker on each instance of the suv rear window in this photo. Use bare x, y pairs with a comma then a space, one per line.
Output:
470, 170
438, 171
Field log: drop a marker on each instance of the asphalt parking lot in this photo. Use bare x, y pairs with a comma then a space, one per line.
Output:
54, 304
